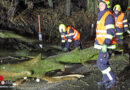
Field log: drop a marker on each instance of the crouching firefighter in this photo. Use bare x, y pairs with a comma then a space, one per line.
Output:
69, 35
106, 43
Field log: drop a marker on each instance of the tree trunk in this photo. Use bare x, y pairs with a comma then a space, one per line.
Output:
30, 5
25, 1
87, 5
95, 7
68, 7
50, 2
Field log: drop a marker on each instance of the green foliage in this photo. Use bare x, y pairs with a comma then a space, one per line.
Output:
7, 34
46, 65
78, 56
40, 67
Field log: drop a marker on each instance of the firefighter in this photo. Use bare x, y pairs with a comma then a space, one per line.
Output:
121, 23
68, 35
106, 43
63, 33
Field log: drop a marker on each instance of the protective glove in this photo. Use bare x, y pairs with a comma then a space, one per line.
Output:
121, 37
62, 45
40, 36
65, 49
104, 48
41, 46
128, 31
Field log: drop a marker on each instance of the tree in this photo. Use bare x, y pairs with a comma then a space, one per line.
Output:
87, 5
68, 7
95, 6
50, 2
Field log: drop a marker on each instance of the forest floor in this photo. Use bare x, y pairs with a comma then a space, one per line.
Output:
119, 64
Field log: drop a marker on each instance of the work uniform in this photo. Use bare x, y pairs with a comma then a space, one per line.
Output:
105, 33
72, 36
121, 26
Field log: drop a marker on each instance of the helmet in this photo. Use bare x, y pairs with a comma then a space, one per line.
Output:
129, 8
117, 7
62, 28
107, 2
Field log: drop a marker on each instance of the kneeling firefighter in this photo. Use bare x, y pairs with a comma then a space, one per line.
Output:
68, 35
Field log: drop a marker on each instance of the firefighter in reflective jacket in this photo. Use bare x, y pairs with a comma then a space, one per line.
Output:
69, 35
63, 34
106, 43
121, 23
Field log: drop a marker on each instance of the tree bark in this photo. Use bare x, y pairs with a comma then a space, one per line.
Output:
87, 5
68, 7
30, 5
95, 7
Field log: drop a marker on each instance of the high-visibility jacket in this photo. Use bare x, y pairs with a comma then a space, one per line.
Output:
101, 33
119, 21
74, 34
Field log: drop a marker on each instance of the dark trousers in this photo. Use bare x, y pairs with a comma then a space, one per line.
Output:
76, 43
119, 39
103, 64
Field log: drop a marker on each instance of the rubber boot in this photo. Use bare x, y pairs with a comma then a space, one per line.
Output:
110, 84
101, 85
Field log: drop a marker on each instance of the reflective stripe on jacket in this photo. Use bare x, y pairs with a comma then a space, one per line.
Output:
109, 47
101, 30
75, 33
63, 38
